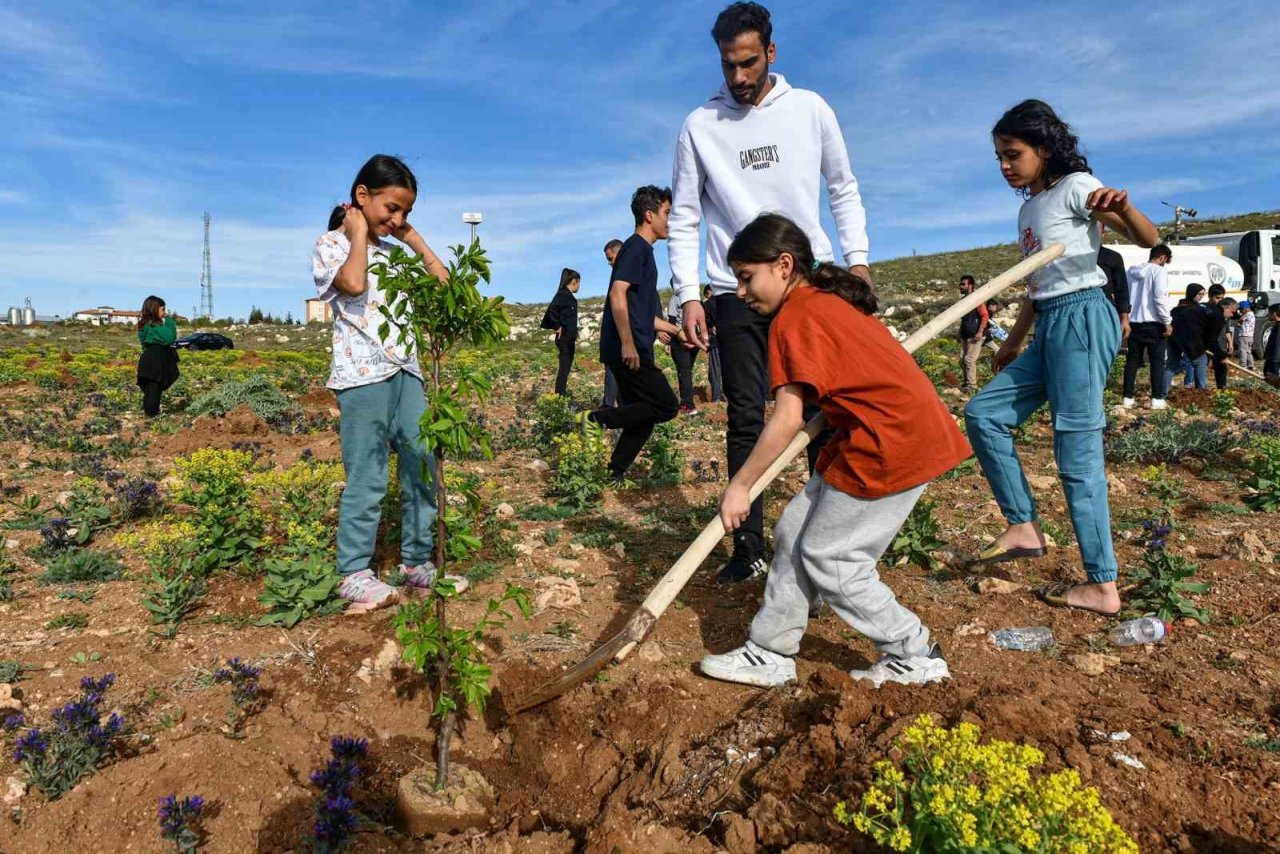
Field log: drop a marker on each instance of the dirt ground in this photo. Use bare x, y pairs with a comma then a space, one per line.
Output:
652, 756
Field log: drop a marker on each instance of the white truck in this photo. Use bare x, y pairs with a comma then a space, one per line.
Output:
1203, 265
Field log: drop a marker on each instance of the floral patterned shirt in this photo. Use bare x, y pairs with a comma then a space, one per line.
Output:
360, 355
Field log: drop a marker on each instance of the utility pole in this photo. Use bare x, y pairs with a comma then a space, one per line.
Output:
206, 275
473, 220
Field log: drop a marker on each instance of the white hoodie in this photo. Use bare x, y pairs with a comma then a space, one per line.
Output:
735, 162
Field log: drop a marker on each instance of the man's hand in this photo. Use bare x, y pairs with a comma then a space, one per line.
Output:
695, 325
1108, 200
664, 337
1003, 357
558, 331
1168, 330
630, 357
863, 272
735, 506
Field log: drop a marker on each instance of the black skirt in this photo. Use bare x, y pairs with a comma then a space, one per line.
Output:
158, 364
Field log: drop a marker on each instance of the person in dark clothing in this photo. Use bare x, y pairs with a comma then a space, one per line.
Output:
562, 316
1271, 347
1186, 343
1117, 286
158, 364
1221, 311
627, 332
611, 250
714, 377
683, 357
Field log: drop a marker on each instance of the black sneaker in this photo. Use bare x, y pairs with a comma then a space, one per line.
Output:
745, 565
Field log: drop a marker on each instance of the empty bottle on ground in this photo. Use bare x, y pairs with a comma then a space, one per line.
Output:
1140, 631
1027, 639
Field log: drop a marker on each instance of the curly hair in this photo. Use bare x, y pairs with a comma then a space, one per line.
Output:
740, 18
768, 236
1036, 124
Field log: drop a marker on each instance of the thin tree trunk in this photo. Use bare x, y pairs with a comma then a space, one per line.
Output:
443, 667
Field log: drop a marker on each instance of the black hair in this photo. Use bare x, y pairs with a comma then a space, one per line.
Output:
768, 236
1036, 124
614, 245
739, 18
968, 278
567, 275
378, 172
648, 199
1216, 291
1160, 251
150, 314
1194, 290
1228, 302
1274, 308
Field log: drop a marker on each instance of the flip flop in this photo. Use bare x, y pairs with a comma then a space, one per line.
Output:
991, 554
1055, 595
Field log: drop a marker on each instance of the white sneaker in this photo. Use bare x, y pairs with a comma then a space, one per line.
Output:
1158, 403
365, 591
911, 670
423, 577
1128, 403
750, 665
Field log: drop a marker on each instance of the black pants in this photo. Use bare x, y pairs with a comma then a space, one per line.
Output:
1145, 338
1219, 371
565, 347
684, 359
610, 388
713, 373
743, 340
151, 398
645, 399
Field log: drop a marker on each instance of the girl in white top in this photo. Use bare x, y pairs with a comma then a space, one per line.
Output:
1076, 339
378, 383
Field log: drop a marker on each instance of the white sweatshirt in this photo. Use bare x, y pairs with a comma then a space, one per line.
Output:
735, 162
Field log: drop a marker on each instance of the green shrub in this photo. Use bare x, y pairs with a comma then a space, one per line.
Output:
666, 459
917, 539
263, 399
1161, 438
552, 417
81, 566
228, 524
297, 588
1264, 484
582, 469
1163, 584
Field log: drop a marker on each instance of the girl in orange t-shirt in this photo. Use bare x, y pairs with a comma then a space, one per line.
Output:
893, 437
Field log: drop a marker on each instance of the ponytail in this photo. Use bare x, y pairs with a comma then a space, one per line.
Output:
768, 236
336, 218
568, 277
853, 289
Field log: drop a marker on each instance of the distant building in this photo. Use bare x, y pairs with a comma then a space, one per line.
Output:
106, 314
317, 311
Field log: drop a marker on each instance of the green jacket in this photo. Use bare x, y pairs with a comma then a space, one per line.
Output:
165, 332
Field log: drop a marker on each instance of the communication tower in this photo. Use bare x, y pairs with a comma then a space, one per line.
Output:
206, 276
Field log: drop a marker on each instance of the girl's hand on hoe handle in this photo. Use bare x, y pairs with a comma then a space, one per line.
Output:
1108, 200
735, 506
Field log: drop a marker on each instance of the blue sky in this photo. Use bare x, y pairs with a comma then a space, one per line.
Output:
124, 122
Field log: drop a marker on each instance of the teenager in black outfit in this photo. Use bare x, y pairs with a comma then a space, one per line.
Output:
562, 316
631, 322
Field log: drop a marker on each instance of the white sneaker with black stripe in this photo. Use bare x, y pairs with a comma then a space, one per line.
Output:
750, 665
908, 670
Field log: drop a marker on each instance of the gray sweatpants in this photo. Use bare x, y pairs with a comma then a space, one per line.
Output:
827, 543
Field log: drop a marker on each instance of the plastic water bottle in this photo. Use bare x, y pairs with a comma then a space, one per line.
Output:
1140, 631
1027, 639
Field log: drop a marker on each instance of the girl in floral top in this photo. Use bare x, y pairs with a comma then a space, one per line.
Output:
378, 383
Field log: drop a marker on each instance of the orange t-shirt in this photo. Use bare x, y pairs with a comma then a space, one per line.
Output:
893, 433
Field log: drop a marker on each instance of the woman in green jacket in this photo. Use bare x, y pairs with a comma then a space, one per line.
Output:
158, 365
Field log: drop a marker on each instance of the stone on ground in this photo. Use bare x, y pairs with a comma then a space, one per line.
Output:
464, 804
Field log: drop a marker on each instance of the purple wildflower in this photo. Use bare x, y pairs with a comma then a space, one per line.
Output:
31, 746
335, 816
14, 721
179, 821
56, 534
243, 678
336, 820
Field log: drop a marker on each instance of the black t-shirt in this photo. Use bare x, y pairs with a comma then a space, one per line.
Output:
1117, 286
636, 266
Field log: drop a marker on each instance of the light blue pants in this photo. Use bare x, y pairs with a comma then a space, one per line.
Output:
1077, 336
373, 418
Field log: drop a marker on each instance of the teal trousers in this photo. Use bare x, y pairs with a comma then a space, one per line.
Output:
1077, 337
375, 418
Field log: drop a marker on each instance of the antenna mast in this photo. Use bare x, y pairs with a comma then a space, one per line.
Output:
206, 276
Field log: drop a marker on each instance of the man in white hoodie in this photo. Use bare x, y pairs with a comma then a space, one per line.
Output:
758, 145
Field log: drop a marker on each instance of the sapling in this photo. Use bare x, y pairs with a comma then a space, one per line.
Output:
431, 316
